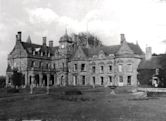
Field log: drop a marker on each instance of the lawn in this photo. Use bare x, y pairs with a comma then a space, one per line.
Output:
93, 105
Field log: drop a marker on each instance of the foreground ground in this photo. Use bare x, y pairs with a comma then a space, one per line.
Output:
93, 105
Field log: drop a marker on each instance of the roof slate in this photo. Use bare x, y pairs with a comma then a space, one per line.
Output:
89, 52
155, 62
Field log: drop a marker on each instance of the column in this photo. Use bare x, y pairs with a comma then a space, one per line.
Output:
26, 79
55, 80
7, 79
48, 79
40, 79
33, 79
32, 83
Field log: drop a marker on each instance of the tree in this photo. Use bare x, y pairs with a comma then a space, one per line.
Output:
17, 78
83, 37
2, 81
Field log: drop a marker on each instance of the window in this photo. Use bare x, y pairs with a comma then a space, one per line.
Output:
93, 69
40, 64
120, 68
83, 80
32, 63
121, 79
82, 67
33, 52
75, 80
75, 67
63, 65
41, 53
102, 80
129, 80
129, 67
54, 66
157, 71
101, 69
94, 80
47, 66
110, 78
110, 68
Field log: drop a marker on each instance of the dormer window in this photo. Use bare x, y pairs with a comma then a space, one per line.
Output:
41, 53
48, 54
33, 52
62, 46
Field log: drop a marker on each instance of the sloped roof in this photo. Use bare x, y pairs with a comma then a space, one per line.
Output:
9, 69
30, 46
136, 48
106, 49
155, 62
111, 50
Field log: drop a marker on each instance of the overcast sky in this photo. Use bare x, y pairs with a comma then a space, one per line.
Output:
140, 20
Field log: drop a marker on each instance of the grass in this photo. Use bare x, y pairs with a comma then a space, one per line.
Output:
93, 105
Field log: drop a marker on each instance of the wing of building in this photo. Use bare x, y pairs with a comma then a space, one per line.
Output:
73, 64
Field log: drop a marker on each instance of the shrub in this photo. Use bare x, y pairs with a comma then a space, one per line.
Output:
17, 78
12, 90
2, 81
73, 92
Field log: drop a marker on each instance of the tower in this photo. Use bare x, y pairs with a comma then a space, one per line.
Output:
65, 51
65, 43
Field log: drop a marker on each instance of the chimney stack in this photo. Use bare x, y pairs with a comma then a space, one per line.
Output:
51, 43
44, 40
16, 37
19, 36
148, 54
122, 38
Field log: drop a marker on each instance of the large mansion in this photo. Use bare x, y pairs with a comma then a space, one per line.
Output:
73, 64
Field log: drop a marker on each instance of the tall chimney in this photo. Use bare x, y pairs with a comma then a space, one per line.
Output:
51, 43
122, 38
19, 36
148, 54
44, 40
16, 37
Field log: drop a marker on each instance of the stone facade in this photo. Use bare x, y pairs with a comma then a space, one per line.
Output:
71, 64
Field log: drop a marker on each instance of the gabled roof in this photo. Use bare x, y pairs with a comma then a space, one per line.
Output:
155, 62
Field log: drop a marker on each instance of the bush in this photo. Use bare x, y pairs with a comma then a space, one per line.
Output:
73, 92
156, 94
12, 90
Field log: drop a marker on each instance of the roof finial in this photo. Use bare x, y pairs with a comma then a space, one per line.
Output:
136, 42
29, 39
66, 31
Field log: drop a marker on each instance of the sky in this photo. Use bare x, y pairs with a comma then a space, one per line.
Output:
142, 21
